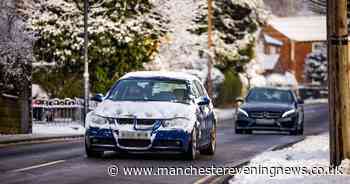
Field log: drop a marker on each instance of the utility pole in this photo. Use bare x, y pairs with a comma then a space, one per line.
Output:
338, 81
211, 54
86, 61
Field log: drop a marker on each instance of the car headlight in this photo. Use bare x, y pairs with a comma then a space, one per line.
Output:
95, 120
288, 113
243, 112
176, 123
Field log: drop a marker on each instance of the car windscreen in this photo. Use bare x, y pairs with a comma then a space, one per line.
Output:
150, 90
270, 95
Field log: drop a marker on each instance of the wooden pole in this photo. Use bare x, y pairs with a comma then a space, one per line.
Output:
339, 81
211, 55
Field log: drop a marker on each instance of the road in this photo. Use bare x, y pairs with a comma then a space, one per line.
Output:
65, 161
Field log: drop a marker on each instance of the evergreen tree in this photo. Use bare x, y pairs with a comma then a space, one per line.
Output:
235, 24
123, 34
315, 69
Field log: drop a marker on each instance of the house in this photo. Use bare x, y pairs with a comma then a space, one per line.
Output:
292, 38
268, 52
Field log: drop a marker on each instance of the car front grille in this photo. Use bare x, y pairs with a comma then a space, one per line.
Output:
130, 121
265, 115
134, 142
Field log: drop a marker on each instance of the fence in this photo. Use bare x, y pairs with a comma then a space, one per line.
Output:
59, 111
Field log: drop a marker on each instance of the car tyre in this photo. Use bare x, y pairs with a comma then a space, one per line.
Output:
210, 150
248, 131
192, 149
90, 153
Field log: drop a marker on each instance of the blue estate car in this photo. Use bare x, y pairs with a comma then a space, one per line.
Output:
153, 112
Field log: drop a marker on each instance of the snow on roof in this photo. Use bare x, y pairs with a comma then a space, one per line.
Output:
268, 62
162, 74
273, 41
311, 28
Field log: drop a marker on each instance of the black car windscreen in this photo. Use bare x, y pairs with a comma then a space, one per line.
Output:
270, 95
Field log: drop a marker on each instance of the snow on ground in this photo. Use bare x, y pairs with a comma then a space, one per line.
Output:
312, 152
58, 128
316, 101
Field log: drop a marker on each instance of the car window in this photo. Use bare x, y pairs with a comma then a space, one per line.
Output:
200, 88
149, 90
270, 95
194, 90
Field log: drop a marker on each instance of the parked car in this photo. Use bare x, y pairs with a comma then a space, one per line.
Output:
270, 109
153, 112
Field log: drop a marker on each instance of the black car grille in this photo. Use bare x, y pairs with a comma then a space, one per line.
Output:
134, 142
130, 121
265, 115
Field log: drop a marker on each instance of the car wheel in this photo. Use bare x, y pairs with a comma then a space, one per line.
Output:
192, 149
248, 131
210, 150
92, 153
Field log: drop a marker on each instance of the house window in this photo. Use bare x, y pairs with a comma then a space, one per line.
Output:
318, 46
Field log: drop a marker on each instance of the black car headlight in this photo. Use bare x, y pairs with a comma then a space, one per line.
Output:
289, 113
95, 120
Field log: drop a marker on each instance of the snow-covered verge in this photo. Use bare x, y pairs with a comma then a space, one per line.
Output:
311, 153
59, 128
316, 101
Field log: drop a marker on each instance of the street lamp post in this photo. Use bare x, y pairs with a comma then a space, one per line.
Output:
86, 63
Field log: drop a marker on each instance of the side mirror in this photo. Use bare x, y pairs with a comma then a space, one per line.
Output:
300, 101
204, 101
98, 97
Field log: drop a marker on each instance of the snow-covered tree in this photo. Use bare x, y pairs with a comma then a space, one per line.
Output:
15, 49
315, 69
123, 34
235, 24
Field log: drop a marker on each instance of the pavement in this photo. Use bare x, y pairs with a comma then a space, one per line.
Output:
65, 161
17, 138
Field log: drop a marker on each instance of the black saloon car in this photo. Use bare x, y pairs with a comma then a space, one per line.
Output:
270, 109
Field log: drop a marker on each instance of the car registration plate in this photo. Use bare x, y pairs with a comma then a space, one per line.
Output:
265, 121
134, 135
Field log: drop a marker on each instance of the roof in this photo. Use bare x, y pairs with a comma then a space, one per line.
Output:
268, 62
311, 28
160, 74
273, 41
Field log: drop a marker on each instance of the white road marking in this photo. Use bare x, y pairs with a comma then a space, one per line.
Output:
38, 166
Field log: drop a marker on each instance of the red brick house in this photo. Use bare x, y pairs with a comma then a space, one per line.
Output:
299, 36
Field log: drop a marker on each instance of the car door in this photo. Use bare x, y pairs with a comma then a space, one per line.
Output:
199, 113
207, 113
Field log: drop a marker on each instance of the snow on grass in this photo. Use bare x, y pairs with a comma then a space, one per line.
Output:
58, 128
312, 152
